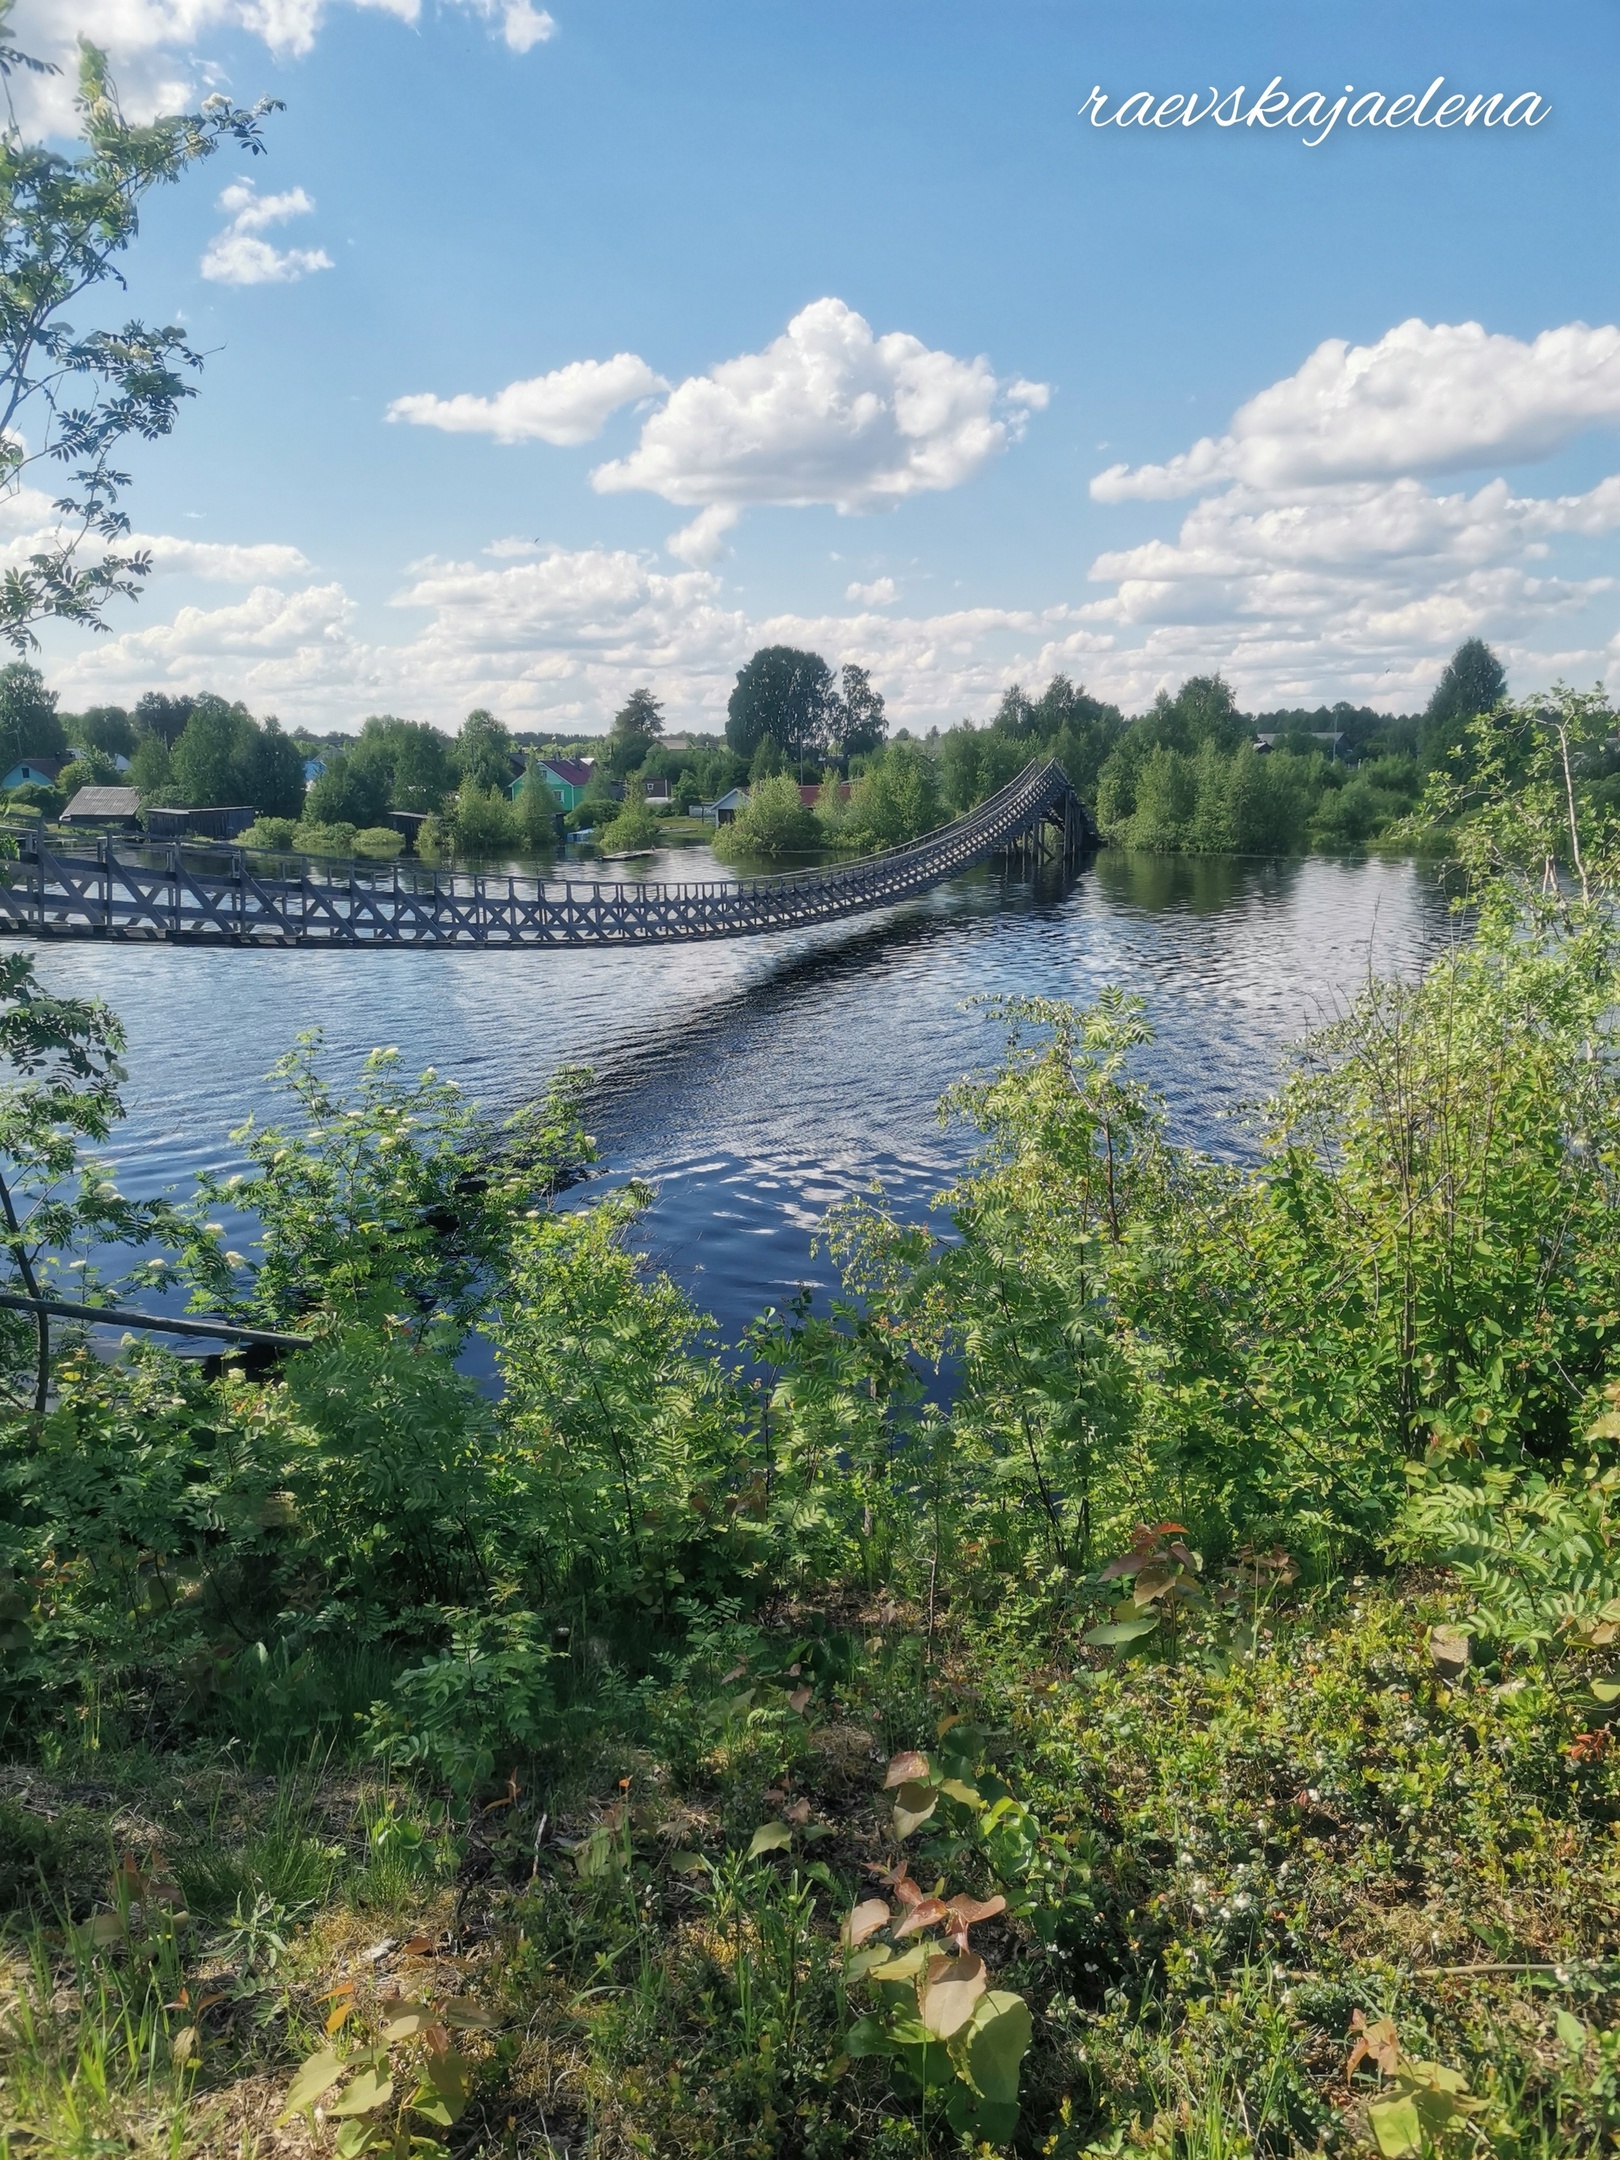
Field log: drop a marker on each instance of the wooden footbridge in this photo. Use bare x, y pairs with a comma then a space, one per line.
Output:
123, 891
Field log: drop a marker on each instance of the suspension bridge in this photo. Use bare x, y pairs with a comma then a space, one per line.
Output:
130, 893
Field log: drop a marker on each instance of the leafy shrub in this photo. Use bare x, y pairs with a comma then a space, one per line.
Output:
314, 839
270, 833
380, 841
775, 820
487, 1701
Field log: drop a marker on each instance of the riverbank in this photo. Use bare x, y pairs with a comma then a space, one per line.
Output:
1230, 1868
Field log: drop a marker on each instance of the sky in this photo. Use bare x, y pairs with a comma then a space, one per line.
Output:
554, 351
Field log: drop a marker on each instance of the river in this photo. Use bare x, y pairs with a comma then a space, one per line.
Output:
757, 1081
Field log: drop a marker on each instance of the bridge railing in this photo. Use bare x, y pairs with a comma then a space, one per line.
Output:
1041, 784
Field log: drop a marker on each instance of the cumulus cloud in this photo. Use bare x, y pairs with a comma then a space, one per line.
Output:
152, 42
237, 255
826, 413
880, 593
703, 541
1447, 397
566, 407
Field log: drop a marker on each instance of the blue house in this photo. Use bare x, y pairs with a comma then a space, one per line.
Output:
34, 772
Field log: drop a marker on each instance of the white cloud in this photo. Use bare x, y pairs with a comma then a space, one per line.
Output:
568, 406
237, 255
1442, 398
225, 562
152, 42
827, 413
703, 541
1298, 591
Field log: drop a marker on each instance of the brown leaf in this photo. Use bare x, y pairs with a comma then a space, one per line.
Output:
913, 1804
1127, 1564
927, 1912
966, 1912
900, 1882
905, 1768
1152, 1582
1377, 2043
1449, 1650
799, 1699
864, 1922
417, 1946
950, 1989
735, 1673
799, 1812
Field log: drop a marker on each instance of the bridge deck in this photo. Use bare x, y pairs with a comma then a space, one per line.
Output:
213, 896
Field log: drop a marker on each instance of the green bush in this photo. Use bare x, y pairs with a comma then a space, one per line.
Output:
379, 841
275, 835
774, 821
323, 839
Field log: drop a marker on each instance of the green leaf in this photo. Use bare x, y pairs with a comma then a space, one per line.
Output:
959, 1789
687, 1863
867, 2036
769, 1837
1394, 2123
913, 1804
1606, 1691
996, 2043
371, 2089
1120, 1631
312, 2080
1571, 2031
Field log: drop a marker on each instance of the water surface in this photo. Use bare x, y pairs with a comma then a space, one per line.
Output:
757, 1081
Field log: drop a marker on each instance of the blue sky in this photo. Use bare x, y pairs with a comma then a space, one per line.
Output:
704, 325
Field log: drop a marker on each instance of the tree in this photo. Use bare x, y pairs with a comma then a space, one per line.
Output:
1472, 683
858, 718
72, 399
898, 799
640, 714
483, 752
270, 771
149, 769
537, 811
28, 723
164, 717
634, 829
775, 820
786, 694
415, 760
766, 761
349, 792
106, 728
484, 821
204, 766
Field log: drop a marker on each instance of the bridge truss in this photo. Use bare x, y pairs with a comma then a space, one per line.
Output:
211, 896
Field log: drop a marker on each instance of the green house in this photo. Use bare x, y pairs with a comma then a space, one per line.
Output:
567, 778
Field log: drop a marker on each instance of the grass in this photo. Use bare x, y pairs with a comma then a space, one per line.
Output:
1235, 1857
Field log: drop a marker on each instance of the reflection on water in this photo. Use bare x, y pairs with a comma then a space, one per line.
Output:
757, 1081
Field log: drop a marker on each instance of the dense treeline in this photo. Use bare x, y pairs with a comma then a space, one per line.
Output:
810, 750
1128, 1464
